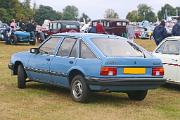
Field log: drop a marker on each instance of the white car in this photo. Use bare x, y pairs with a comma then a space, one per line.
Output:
169, 52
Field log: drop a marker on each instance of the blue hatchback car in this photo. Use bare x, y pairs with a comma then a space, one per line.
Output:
90, 62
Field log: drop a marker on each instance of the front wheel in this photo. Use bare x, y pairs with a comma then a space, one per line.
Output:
79, 89
137, 95
21, 77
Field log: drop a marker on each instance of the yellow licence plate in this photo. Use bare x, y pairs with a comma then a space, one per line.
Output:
134, 70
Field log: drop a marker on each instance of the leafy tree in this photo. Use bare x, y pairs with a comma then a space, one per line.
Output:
46, 12
70, 13
166, 10
110, 13
27, 11
145, 13
12, 10
84, 17
133, 16
5, 17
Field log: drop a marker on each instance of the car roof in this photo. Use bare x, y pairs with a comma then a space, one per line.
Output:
86, 35
173, 38
111, 19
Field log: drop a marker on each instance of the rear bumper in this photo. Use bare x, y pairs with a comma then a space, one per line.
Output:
124, 84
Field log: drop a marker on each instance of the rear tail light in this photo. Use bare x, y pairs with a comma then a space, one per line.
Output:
158, 71
108, 71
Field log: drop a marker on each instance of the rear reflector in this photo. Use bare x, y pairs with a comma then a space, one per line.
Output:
158, 71
108, 71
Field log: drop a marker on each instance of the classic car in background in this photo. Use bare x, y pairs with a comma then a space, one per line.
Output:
90, 62
22, 37
3, 26
113, 26
169, 52
61, 26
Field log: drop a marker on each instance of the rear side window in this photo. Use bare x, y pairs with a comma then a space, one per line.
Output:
66, 47
49, 47
171, 47
86, 52
117, 47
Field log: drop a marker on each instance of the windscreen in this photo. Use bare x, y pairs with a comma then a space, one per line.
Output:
117, 47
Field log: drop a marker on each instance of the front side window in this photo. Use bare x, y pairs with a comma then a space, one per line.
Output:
117, 47
171, 47
86, 52
50, 46
66, 47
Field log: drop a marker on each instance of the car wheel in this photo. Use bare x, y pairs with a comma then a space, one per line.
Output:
21, 77
79, 89
32, 42
137, 95
13, 40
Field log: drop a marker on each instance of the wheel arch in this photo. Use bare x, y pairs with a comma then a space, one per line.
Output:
73, 73
17, 63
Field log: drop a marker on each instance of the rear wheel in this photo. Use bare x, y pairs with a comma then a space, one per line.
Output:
79, 89
13, 39
21, 77
137, 95
32, 42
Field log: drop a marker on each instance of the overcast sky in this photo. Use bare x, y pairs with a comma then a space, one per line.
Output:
96, 8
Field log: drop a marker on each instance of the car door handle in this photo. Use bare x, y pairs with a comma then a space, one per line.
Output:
71, 62
48, 59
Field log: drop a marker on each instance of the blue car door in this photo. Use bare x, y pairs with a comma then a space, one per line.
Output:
39, 63
64, 61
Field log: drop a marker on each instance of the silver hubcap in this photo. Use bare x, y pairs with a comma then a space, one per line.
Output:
77, 89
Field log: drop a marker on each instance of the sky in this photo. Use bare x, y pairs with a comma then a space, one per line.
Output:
96, 8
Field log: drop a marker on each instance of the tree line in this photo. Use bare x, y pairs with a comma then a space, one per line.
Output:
145, 12
22, 11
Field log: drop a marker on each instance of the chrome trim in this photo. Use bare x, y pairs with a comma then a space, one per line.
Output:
46, 72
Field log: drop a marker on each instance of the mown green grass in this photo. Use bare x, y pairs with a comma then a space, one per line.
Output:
45, 102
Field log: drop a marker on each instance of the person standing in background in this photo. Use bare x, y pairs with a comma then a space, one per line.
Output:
13, 25
160, 33
130, 32
176, 28
100, 28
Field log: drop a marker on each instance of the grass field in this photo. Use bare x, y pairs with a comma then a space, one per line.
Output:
45, 102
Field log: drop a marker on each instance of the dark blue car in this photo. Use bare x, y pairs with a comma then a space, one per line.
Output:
90, 62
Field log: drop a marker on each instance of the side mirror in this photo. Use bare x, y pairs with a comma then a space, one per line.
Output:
34, 50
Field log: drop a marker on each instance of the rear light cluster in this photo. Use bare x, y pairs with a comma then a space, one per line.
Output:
158, 71
108, 71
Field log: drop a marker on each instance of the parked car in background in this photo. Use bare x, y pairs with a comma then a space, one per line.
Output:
61, 26
113, 26
3, 26
22, 37
90, 62
169, 52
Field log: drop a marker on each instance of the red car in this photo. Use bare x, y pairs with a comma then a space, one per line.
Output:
61, 26
113, 26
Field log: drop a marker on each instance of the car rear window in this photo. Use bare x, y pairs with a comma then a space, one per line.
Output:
117, 47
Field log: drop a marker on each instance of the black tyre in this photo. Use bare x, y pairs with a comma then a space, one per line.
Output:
13, 39
21, 77
79, 89
32, 42
137, 95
